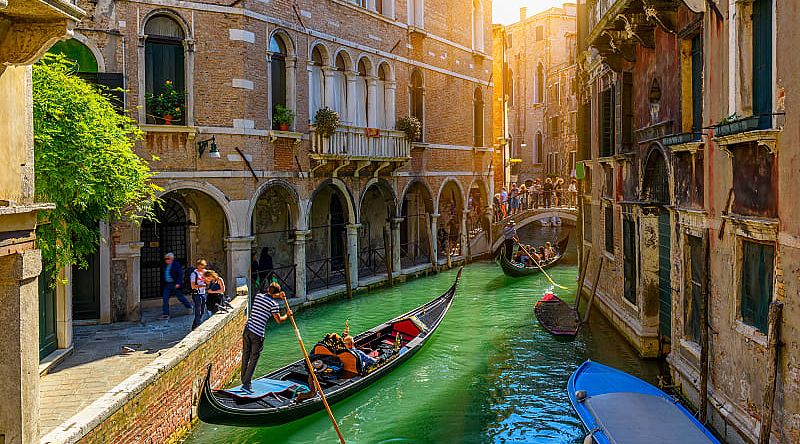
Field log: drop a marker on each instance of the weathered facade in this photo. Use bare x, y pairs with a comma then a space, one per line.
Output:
27, 29
236, 182
538, 93
688, 149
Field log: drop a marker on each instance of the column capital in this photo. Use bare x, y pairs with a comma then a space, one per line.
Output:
129, 250
239, 243
302, 235
352, 227
390, 84
328, 68
398, 220
351, 75
434, 215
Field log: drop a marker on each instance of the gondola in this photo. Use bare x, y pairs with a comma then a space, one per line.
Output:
618, 408
556, 316
518, 270
272, 400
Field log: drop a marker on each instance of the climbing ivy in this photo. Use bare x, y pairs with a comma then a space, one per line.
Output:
84, 164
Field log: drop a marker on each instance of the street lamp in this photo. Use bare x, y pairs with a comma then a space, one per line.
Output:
203, 144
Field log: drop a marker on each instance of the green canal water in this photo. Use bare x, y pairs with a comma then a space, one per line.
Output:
490, 374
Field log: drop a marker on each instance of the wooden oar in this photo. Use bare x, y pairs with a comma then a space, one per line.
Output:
516, 239
314, 375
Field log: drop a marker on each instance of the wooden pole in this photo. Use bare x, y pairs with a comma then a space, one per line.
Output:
314, 375
594, 291
773, 334
704, 334
431, 244
347, 278
449, 252
580, 282
387, 254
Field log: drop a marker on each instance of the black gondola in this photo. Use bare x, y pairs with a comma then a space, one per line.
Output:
396, 340
518, 270
556, 316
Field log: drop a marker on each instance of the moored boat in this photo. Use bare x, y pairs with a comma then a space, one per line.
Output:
272, 399
514, 269
619, 408
556, 316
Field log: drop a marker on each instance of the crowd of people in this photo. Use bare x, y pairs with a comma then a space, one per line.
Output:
551, 193
206, 287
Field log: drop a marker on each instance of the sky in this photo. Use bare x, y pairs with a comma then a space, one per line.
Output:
507, 11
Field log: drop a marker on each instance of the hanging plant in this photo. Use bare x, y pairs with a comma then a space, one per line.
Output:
411, 126
167, 104
326, 121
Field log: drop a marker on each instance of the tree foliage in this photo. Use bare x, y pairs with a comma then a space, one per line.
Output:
84, 164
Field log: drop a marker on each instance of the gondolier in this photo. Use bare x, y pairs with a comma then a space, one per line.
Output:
264, 307
509, 234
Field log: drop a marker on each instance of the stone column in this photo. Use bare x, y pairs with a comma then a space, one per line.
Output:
327, 73
188, 45
64, 309
352, 251
291, 86
390, 89
300, 239
19, 349
238, 251
435, 243
372, 102
396, 265
352, 106
131, 253
140, 72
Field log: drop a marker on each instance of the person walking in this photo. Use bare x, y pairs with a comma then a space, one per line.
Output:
509, 234
198, 282
264, 306
171, 281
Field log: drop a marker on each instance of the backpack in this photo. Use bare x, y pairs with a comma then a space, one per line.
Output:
186, 286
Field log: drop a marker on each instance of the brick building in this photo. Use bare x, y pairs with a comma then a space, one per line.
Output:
538, 92
689, 148
235, 182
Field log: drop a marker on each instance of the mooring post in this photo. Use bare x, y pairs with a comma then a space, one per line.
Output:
580, 282
773, 334
387, 255
348, 283
594, 291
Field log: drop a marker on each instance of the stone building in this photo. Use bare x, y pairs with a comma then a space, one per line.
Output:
538, 93
236, 182
688, 149
27, 29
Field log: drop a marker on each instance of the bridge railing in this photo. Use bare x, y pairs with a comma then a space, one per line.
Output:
533, 200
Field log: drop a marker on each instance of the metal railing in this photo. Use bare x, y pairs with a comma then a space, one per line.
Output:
358, 142
320, 274
371, 261
533, 200
285, 276
414, 253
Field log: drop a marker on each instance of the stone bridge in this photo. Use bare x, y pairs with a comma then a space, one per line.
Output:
530, 216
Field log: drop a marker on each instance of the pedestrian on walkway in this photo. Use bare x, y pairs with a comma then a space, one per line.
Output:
171, 281
264, 306
198, 282
215, 287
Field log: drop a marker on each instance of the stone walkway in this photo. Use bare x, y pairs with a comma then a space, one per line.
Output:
101, 361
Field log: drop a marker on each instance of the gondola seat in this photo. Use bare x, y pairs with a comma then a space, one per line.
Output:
352, 365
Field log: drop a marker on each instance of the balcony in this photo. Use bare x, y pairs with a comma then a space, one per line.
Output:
357, 151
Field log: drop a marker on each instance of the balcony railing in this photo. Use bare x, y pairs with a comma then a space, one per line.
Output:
351, 142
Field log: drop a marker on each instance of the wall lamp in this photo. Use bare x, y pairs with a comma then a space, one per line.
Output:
203, 144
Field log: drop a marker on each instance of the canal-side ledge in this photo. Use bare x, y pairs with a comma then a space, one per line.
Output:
157, 403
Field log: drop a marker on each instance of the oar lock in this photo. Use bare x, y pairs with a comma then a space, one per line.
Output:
580, 395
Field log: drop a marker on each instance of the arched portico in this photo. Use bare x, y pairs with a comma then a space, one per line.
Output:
377, 212
275, 212
333, 241
452, 219
417, 216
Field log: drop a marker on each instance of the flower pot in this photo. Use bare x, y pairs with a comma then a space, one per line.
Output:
168, 120
738, 126
283, 127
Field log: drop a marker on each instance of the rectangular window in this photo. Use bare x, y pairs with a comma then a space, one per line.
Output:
629, 257
697, 84
755, 194
762, 62
755, 291
609, 228
694, 288
607, 121
608, 185
587, 221
539, 33
627, 111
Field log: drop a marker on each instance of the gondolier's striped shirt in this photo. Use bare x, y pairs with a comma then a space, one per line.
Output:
264, 306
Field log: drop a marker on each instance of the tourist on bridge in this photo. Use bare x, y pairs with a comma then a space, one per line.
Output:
547, 192
171, 284
264, 306
510, 235
573, 192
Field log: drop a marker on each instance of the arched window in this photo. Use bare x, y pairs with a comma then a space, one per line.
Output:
164, 60
539, 148
340, 88
72, 49
477, 25
316, 83
539, 87
418, 99
477, 114
382, 116
277, 53
361, 96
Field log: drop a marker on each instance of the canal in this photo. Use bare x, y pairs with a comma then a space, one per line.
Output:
490, 374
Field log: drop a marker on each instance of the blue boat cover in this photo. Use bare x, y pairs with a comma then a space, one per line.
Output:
264, 387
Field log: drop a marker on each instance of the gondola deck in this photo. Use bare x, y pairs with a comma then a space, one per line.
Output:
413, 329
518, 270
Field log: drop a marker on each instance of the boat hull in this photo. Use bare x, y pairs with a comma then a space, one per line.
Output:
557, 317
515, 271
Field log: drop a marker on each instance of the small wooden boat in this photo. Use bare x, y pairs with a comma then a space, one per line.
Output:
271, 400
514, 269
556, 316
619, 408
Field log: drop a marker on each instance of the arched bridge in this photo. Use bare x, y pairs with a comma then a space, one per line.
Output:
530, 216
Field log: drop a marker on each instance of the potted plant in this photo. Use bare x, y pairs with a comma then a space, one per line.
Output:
411, 126
734, 124
282, 117
166, 105
326, 121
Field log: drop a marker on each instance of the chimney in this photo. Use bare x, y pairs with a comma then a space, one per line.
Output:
523, 13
